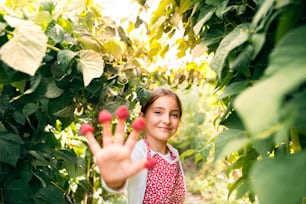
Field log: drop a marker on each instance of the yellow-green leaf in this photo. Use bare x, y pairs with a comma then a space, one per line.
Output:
25, 51
91, 64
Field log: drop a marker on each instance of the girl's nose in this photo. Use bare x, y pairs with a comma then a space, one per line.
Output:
166, 119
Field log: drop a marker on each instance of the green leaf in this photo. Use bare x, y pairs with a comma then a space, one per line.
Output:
205, 14
38, 158
55, 32
53, 91
29, 108
43, 18
280, 180
18, 187
114, 47
242, 61
262, 13
185, 5
229, 141
89, 43
231, 41
19, 117
64, 58
162, 10
259, 106
233, 121
25, 51
142, 95
60, 103
220, 6
10, 148
91, 64
234, 89
294, 111
50, 195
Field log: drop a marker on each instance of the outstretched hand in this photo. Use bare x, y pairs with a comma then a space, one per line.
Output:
114, 159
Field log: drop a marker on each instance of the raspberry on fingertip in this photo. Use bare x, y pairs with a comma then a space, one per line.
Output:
86, 128
104, 116
139, 124
122, 112
151, 162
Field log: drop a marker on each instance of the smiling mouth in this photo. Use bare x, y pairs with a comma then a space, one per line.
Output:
165, 128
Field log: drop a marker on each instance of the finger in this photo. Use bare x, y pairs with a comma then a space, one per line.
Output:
107, 134
132, 139
92, 143
138, 125
136, 167
119, 132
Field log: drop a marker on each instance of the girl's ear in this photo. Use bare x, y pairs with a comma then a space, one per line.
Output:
141, 114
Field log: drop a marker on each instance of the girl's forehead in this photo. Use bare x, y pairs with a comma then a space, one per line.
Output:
165, 102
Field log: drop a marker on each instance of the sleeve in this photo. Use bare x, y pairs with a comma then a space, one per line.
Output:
121, 190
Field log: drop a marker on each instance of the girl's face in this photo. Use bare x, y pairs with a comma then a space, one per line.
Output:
162, 118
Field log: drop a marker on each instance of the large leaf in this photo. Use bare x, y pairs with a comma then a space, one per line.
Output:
259, 106
234, 39
205, 14
10, 148
229, 141
91, 64
280, 180
25, 51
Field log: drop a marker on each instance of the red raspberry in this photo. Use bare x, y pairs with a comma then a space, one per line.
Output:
139, 124
150, 162
86, 128
122, 112
104, 116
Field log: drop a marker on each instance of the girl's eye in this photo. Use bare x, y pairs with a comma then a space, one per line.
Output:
176, 115
157, 112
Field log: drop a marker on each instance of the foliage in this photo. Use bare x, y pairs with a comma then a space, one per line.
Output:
62, 62
259, 58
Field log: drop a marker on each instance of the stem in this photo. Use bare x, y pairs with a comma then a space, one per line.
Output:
58, 186
53, 48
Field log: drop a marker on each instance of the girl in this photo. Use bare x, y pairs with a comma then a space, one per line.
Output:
130, 164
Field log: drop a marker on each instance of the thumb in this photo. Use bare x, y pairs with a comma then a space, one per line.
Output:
136, 167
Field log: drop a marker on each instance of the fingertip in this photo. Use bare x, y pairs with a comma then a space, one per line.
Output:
104, 116
139, 124
122, 112
150, 163
86, 129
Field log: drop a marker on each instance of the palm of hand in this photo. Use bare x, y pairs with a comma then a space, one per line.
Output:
114, 159
114, 163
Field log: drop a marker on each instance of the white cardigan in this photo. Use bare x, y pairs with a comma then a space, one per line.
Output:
136, 186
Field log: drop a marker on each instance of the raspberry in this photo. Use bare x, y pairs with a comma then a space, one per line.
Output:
122, 112
150, 162
104, 116
139, 124
86, 128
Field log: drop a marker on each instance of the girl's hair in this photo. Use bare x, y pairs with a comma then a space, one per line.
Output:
159, 92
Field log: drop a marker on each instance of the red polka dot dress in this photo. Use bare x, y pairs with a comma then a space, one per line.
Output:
165, 182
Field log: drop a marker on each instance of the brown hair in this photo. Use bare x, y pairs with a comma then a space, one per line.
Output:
159, 92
